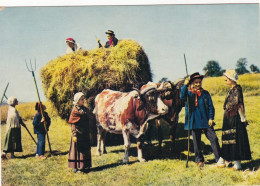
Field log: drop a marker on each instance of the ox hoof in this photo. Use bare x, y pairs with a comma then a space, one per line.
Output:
125, 161
149, 143
142, 160
98, 153
105, 152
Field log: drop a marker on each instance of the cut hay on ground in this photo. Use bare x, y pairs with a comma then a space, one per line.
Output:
117, 68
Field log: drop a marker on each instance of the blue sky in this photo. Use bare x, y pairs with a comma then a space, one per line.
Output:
223, 33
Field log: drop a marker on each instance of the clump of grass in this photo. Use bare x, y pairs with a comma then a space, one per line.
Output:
250, 84
118, 68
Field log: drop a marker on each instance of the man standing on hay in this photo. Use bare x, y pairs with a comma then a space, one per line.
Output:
112, 40
73, 46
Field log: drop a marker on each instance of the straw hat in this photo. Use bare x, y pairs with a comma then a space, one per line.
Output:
231, 74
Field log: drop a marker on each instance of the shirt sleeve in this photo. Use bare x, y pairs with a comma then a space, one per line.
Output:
74, 116
211, 108
241, 107
37, 120
184, 93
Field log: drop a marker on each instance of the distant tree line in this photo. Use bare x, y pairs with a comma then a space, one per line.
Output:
215, 70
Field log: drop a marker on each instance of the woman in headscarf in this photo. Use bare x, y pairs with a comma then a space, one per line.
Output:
13, 129
72, 46
235, 143
80, 147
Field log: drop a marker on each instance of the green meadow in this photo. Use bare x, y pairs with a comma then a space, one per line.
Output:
161, 168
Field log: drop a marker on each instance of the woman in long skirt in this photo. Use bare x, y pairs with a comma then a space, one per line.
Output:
13, 129
80, 148
235, 143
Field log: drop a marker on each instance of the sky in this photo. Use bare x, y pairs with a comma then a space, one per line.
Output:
222, 32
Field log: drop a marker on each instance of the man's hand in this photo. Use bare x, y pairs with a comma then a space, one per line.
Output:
211, 123
187, 80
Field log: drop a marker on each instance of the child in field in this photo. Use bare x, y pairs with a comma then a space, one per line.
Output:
200, 111
39, 128
13, 129
235, 143
80, 147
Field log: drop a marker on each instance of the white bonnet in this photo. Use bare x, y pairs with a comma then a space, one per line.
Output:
231, 74
11, 100
77, 96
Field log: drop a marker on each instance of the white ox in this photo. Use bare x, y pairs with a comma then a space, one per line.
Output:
127, 113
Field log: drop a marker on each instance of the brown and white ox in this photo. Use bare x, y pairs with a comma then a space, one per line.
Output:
127, 113
171, 97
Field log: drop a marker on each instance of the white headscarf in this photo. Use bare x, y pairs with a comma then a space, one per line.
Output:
11, 100
77, 96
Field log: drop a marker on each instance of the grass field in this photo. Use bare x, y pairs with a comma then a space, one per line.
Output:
161, 168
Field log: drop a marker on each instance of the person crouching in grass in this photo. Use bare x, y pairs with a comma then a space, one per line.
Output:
13, 141
200, 111
235, 143
80, 147
40, 129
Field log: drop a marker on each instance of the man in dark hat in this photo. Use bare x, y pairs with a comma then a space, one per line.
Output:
112, 40
199, 112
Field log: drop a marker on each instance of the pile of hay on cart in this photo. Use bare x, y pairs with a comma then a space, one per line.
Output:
119, 68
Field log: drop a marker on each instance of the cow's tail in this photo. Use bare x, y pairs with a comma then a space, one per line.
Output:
96, 105
94, 111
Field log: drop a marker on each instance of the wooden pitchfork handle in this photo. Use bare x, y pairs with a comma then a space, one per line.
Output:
188, 117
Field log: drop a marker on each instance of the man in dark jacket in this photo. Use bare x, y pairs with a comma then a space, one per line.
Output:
199, 112
112, 40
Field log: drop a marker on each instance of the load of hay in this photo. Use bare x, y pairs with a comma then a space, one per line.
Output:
119, 68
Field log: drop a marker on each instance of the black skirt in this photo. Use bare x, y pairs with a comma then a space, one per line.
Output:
235, 143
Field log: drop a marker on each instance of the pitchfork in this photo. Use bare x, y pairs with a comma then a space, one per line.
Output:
32, 70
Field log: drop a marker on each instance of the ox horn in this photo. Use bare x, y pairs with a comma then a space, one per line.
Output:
139, 93
161, 86
147, 89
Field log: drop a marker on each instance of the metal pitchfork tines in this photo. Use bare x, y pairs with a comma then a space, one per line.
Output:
32, 70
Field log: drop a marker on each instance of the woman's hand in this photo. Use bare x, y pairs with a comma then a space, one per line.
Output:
74, 139
245, 123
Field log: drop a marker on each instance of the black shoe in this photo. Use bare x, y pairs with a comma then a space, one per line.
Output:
75, 170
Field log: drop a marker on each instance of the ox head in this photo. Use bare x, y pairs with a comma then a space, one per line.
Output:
167, 91
150, 97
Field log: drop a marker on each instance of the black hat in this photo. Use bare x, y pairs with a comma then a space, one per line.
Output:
110, 32
195, 75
